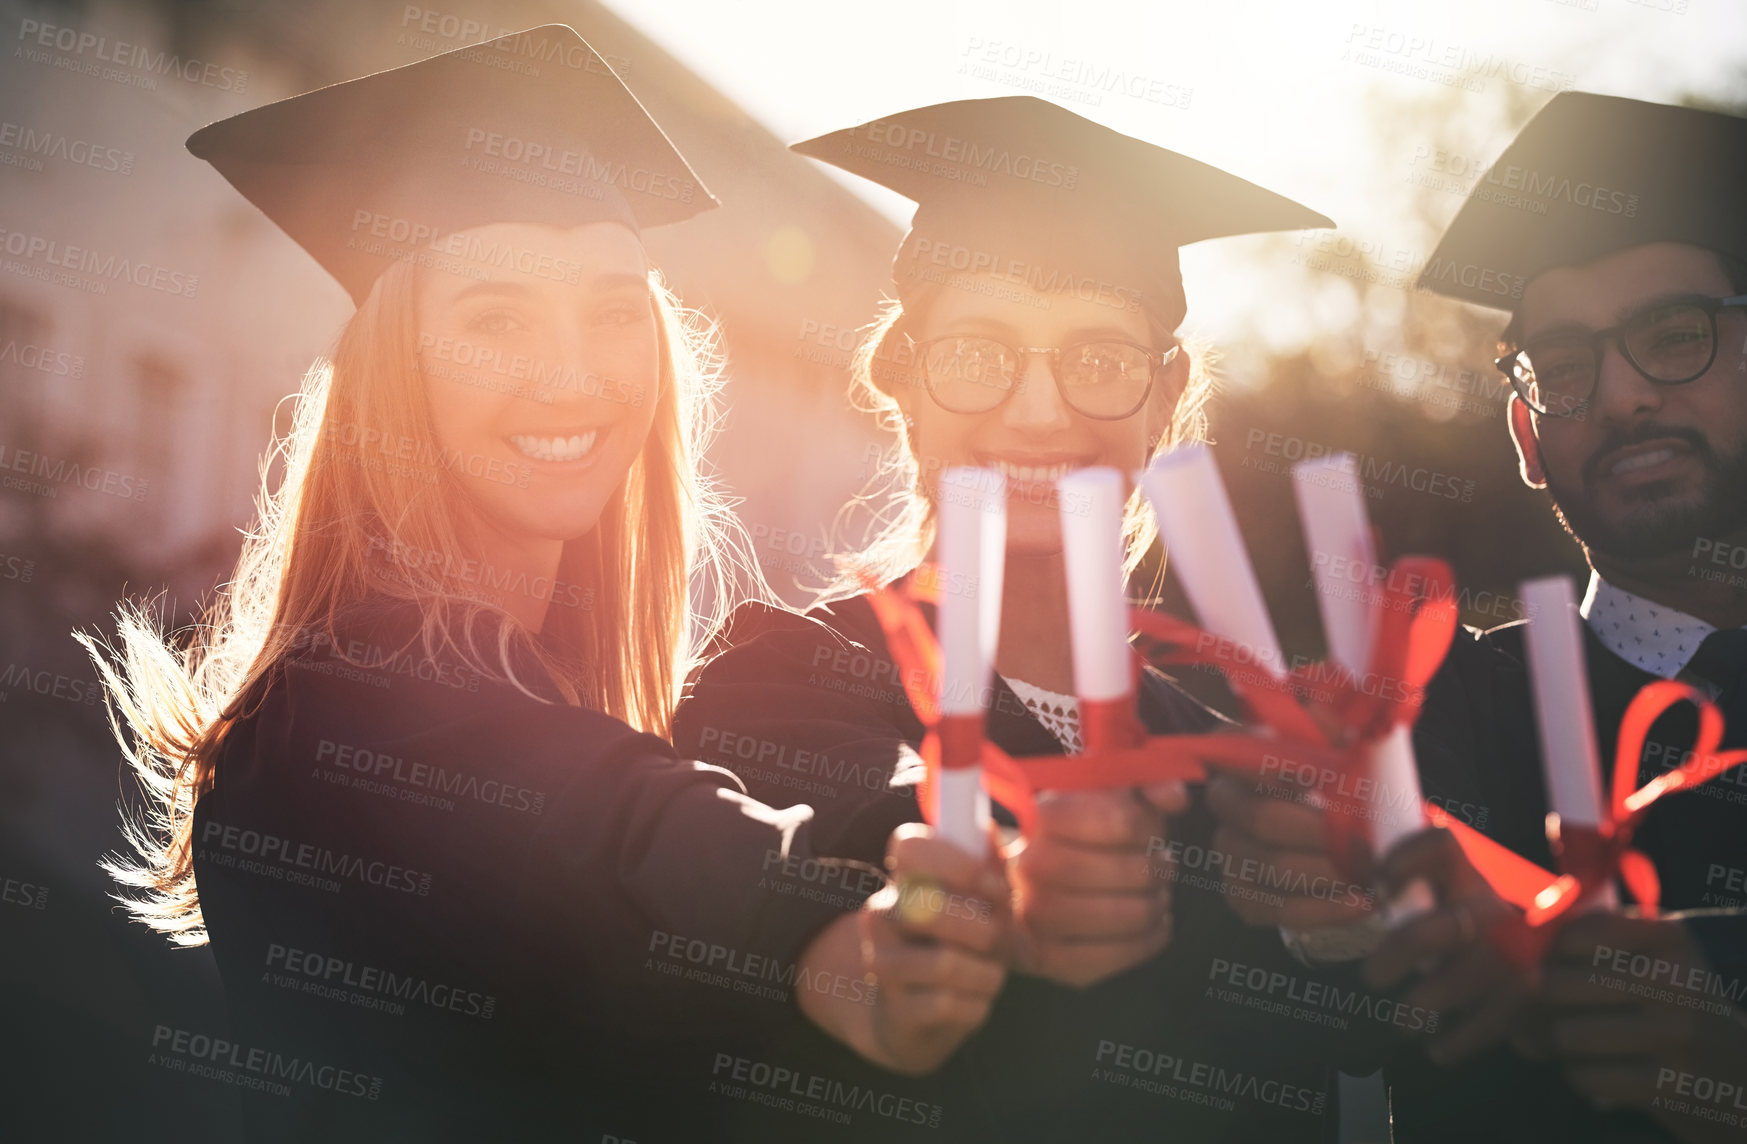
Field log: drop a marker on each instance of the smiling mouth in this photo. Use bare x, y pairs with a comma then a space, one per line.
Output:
1639, 459
1031, 474
557, 449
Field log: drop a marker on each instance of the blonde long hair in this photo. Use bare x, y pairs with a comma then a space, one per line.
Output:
900, 496
315, 549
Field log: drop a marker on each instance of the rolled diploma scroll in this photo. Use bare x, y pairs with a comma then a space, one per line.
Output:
1207, 553
1337, 537
1091, 513
972, 552
1563, 716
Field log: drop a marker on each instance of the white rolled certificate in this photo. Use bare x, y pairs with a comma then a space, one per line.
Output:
1564, 718
1563, 714
1337, 537
1207, 552
971, 556
1091, 513
1343, 563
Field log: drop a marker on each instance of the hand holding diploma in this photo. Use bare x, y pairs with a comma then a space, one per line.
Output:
1092, 891
1345, 569
1620, 1039
935, 941
1482, 993
1625, 1047
1277, 868
1462, 972
1091, 885
1265, 837
1273, 830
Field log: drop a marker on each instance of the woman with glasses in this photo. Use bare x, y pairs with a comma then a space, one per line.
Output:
1034, 333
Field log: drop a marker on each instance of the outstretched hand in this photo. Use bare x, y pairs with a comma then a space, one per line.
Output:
934, 942
1480, 994
1091, 884
1637, 1018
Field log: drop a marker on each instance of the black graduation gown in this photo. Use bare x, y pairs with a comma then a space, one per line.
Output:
443, 909
811, 708
1479, 755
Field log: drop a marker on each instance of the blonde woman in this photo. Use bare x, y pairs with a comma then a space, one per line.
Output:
408, 780
1035, 332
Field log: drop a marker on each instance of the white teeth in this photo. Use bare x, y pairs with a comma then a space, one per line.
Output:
1642, 460
572, 448
1031, 474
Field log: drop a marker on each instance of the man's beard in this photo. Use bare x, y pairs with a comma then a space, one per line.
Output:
1718, 511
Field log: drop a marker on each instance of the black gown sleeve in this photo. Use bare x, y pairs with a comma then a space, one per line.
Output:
810, 709
516, 915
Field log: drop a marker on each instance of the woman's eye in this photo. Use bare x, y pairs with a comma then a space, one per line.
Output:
496, 322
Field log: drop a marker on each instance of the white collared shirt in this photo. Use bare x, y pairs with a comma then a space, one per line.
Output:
1659, 639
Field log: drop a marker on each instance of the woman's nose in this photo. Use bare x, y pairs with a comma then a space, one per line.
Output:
1037, 401
569, 368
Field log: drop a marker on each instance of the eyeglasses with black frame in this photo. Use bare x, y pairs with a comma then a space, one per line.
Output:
1669, 342
1105, 379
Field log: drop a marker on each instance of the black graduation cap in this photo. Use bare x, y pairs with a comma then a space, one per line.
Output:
1029, 190
1590, 175
531, 127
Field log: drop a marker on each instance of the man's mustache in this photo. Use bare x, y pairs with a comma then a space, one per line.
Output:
1650, 431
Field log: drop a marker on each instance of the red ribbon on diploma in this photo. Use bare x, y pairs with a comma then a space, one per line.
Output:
1418, 620
1413, 635
1593, 856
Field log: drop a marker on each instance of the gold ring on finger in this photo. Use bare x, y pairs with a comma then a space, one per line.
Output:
919, 900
